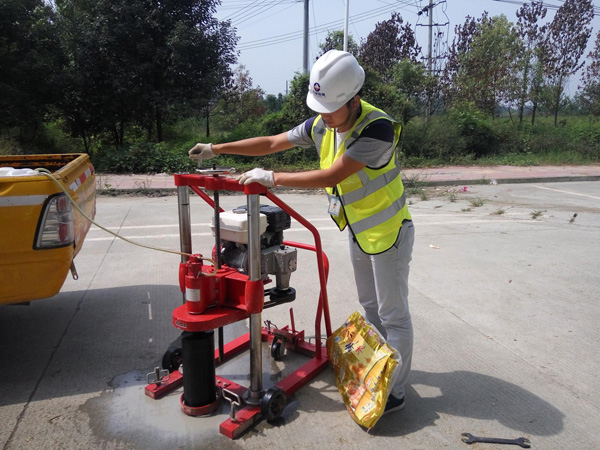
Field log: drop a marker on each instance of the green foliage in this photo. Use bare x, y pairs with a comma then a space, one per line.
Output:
295, 110
432, 140
9, 146
479, 136
109, 78
590, 95
455, 138
143, 158
30, 58
132, 61
335, 40
389, 43
567, 38
482, 64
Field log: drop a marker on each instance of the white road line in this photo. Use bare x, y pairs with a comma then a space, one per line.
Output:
149, 311
566, 192
321, 229
175, 225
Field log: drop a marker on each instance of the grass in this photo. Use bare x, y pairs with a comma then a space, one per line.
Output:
536, 214
476, 202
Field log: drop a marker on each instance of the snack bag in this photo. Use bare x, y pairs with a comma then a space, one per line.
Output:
363, 364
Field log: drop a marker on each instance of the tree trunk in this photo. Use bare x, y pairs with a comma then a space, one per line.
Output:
523, 98
557, 103
207, 121
86, 144
533, 113
159, 130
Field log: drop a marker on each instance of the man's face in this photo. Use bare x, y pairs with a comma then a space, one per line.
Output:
343, 118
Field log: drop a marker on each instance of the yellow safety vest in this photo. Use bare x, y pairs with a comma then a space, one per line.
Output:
373, 200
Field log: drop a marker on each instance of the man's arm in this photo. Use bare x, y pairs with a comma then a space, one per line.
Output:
257, 146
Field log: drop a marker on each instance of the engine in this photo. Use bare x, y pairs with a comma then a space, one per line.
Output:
276, 258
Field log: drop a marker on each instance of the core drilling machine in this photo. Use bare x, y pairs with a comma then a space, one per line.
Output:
229, 287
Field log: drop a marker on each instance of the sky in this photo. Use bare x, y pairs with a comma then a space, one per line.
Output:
271, 31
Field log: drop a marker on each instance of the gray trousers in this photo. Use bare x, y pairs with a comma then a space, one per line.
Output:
382, 284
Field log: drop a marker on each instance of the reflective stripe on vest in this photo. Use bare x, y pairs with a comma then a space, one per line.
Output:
380, 217
370, 186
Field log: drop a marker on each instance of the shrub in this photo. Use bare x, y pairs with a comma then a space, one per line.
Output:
480, 138
143, 158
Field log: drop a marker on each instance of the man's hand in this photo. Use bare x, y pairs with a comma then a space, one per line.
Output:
264, 177
201, 151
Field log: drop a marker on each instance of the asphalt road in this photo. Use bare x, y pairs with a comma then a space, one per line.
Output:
504, 298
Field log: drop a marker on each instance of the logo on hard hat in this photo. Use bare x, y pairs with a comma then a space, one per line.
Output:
316, 90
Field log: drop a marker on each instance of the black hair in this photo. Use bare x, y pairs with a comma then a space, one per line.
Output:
349, 102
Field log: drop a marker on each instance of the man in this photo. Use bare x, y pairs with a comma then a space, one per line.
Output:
356, 144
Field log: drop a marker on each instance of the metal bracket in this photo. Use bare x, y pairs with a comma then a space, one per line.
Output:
74, 273
216, 171
158, 376
235, 400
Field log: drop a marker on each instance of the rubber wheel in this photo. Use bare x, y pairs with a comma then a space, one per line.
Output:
172, 358
273, 403
277, 350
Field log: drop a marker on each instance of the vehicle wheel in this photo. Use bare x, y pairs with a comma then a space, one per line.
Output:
273, 403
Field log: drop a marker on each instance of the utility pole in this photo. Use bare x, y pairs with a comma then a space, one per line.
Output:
430, 67
305, 55
346, 25
430, 53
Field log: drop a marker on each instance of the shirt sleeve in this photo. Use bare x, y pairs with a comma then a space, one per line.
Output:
375, 146
301, 135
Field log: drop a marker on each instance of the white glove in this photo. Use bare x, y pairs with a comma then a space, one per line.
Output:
201, 151
264, 177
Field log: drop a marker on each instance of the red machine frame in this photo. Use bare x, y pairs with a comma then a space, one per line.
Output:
218, 316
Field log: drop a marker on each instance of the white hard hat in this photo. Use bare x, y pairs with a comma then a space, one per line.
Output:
335, 78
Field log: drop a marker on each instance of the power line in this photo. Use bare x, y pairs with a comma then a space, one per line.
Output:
286, 37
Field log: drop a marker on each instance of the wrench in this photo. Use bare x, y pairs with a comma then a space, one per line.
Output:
468, 438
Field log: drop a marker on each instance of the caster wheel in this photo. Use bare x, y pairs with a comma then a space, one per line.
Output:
172, 358
277, 349
273, 403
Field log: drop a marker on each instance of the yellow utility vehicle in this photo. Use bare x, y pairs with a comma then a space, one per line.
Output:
40, 230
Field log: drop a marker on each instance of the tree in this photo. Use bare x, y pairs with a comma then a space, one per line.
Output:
405, 95
335, 41
136, 61
565, 44
274, 103
30, 58
530, 69
391, 41
481, 64
590, 93
295, 110
241, 101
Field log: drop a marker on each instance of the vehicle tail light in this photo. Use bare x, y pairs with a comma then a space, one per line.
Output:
56, 225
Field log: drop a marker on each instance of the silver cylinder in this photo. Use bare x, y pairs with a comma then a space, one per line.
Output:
185, 223
255, 392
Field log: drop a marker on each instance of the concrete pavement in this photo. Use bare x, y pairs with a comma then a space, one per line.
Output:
503, 284
432, 176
